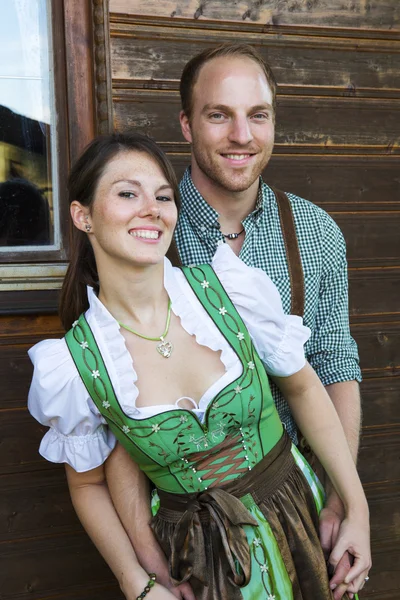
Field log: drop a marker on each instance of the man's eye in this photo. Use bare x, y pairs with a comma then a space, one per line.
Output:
260, 116
217, 116
126, 194
164, 198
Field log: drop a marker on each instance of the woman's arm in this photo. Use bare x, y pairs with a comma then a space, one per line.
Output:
93, 505
130, 493
318, 420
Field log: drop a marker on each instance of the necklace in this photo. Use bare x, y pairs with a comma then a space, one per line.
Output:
164, 348
232, 236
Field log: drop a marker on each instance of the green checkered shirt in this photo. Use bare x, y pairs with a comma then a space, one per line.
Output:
331, 350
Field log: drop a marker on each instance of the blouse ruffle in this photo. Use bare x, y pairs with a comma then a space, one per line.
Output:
58, 398
279, 338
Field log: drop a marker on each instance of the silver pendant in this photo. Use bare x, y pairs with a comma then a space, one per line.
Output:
164, 348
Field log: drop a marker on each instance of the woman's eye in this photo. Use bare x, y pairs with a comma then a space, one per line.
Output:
126, 195
164, 198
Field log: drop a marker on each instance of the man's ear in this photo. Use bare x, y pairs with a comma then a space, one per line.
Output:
185, 126
79, 215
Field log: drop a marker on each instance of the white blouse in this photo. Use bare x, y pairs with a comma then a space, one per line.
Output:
79, 435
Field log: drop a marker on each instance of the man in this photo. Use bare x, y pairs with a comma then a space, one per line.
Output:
228, 116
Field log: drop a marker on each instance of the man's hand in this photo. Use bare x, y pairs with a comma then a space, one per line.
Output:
329, 523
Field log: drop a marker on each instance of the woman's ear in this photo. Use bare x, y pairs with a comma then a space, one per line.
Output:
80, 216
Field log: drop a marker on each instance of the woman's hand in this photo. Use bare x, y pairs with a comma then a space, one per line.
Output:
353, 537
183, 592
159, 592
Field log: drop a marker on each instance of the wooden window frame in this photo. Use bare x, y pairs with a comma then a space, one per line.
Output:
29, 280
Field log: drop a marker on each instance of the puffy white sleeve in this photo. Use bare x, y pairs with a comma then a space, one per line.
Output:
278, 338
58, 399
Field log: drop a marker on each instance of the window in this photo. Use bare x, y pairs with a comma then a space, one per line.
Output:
29, 210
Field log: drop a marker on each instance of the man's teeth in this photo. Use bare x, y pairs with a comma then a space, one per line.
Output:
145, 233
237, 156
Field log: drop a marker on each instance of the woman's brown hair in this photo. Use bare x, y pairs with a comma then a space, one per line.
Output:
82, 184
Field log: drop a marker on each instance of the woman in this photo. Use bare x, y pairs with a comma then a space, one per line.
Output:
172, 363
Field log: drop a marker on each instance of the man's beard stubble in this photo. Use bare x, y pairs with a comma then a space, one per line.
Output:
222, 177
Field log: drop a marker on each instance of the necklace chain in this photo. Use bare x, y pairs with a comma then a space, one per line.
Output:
152, 339
232, 236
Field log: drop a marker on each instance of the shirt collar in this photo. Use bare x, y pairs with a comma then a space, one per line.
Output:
199, 212
203, 216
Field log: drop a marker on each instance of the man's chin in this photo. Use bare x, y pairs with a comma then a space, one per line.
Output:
237, 184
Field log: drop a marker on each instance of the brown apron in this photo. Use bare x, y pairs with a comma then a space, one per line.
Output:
203, 538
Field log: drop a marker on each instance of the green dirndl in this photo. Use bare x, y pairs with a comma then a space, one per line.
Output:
236, 505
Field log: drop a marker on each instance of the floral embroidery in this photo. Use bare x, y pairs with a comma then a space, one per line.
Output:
155, 428
106, 404
238, 389
205, 284
240, 335
264, 568
271, 597
256, 542
95, 374
251, 365
84, 344
126, 429
75, 323
222, 310
183, 419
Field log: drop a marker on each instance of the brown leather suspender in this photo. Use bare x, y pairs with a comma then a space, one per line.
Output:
293, 258
296, 276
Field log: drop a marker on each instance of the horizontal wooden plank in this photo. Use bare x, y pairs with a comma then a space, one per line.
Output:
365, 183
384, 14
379, 455
28, 327
385, 518
358, 122
383, 583
140, 54
379, 350
380, 400
374, 292
36, 504
284, 89
20, 437
41, 567
372, 238
23, 302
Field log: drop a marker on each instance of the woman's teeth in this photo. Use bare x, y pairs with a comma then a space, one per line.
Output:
145, 233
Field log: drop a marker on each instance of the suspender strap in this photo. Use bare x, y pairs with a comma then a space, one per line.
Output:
292, 252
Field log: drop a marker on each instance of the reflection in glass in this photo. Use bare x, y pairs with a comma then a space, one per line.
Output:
26, 198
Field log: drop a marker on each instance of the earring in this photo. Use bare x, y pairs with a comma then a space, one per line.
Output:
88, 227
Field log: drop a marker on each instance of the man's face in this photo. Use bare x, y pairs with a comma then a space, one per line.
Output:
232, 123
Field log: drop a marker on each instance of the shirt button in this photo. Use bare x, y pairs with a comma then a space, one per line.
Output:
203, 228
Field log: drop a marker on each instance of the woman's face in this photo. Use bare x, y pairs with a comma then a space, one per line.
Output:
134, 214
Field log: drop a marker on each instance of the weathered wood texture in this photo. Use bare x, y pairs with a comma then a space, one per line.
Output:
338, 133
378, 14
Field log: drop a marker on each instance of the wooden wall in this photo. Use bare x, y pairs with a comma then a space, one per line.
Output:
337, 144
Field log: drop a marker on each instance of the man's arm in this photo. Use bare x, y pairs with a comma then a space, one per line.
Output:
333, 354
345, 397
